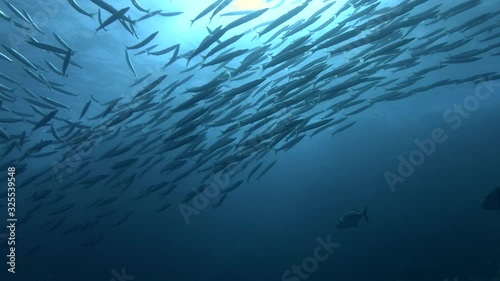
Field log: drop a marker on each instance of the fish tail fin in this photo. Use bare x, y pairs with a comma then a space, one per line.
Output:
202, 63
261, 67
365, 214
93, 16
192, 21
133, 23
229, 74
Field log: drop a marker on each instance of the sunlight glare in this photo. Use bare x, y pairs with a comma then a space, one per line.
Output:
249, 4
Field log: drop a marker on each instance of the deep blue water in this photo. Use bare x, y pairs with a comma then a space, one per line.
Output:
429, 227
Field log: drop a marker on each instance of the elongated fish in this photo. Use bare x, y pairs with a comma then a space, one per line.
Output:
123, 218
206, 11
66, 61
62, 42
151, 86
85, 109
245, 19
55, 133
4, 57
5, 16
220, 8
266, 169
46, 47
164, 51
138, 7
55, 103
140, 80
80, 10
219, 202
16, 11
125, 163
150, 48
144, 42
237, 13
283, 18
164, 207
129, 63
110, 9
171, 14
149, 15
45, 119
7, 78
62, 209
32, 22
254, 170
114, 17
54, 68
19, 57
4, 134
99, 19
232, 187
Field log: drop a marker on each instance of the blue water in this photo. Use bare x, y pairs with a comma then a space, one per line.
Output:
428, 227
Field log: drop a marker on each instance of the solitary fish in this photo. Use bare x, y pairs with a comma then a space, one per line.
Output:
492, 201
352, 218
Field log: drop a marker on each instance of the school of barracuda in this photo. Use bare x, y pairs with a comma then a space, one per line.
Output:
261, 100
